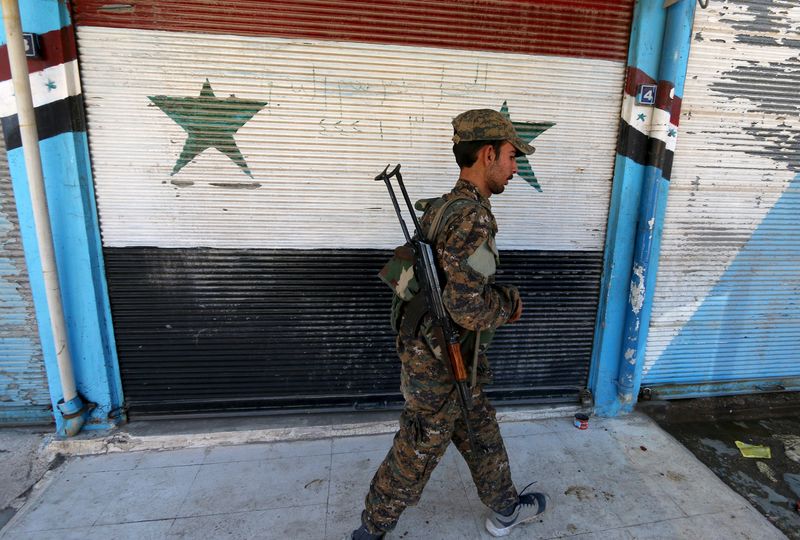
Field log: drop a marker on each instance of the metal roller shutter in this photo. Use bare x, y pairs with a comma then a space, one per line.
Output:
233, 146
725, 317
24, 392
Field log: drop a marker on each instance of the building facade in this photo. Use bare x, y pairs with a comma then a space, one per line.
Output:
222, 155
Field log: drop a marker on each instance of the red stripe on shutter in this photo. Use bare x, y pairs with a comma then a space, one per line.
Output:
567, 28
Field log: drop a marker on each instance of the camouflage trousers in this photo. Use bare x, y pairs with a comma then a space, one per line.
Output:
430, 420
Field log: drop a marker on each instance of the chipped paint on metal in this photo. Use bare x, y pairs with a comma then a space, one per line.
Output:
766, 83
734, 193
626, 397
630, 355
637, 289
647, 32
23, 383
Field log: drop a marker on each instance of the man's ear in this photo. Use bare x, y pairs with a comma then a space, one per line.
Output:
488, 153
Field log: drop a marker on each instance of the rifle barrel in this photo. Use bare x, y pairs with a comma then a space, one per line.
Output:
396, 205
408, 202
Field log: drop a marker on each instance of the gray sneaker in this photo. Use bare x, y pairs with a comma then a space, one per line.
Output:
363, 534
529, 507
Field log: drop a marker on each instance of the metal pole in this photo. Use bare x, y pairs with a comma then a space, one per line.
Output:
33, 165
672, 71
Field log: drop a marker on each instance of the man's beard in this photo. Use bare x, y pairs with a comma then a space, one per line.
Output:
496, 188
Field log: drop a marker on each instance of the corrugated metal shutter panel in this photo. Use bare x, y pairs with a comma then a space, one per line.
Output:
727, 296
277, 328
334, 114
244, 274
538, 26
24, 394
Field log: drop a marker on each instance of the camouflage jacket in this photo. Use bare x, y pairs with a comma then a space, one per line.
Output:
466, 253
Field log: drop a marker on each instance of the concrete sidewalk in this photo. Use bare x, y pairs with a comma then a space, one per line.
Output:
622, 478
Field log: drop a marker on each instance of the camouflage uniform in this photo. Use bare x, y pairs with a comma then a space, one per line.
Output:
466, 252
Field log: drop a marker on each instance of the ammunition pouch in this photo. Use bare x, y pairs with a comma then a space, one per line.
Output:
409, 305
407, 316
398, 273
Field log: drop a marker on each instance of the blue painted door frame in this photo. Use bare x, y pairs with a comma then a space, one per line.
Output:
76, 239
658, 54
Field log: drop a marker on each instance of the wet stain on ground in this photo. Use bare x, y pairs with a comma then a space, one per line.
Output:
675, 476
585, 493
709, 427
582, 493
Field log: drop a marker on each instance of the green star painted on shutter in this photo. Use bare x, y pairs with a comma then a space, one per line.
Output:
527, 131
210, 122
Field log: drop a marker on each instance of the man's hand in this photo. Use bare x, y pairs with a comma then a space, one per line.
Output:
517, 313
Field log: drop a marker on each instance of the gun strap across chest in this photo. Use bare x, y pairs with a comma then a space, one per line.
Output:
416, 308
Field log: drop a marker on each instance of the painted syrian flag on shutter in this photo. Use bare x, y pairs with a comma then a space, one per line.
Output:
55, 89
234, 159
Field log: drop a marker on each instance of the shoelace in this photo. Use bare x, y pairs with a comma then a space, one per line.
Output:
523, 499
527, 499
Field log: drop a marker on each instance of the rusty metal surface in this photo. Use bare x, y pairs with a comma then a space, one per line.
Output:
586, 29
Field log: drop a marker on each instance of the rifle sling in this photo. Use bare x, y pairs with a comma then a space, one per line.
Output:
416, 308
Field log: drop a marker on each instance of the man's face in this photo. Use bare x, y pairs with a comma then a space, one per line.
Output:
502, 168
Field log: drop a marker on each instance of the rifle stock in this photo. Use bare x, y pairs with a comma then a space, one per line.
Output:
459, 371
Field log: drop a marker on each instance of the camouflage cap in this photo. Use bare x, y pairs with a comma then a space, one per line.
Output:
487, 125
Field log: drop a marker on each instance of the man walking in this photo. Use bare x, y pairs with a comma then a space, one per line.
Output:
461, 229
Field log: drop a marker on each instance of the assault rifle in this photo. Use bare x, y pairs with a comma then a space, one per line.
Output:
427, 275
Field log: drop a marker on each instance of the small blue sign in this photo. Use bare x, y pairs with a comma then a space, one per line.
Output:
646, 94
32, 48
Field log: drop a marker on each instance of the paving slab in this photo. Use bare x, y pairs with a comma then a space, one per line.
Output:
23, 461
623, 478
